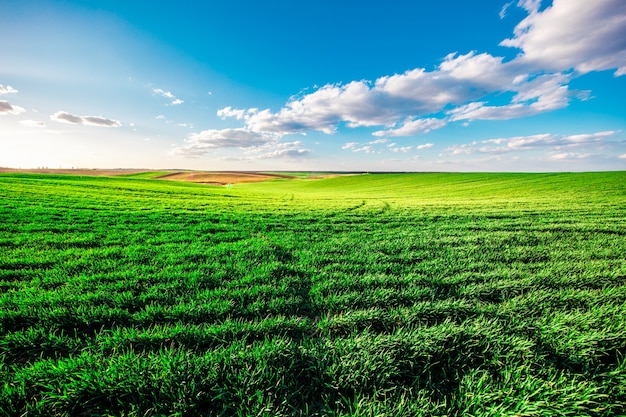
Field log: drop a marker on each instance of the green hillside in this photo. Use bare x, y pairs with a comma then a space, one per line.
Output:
373, 294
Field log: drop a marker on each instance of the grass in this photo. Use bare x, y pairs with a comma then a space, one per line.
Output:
376, 295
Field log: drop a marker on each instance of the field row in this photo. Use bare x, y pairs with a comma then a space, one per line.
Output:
136, 297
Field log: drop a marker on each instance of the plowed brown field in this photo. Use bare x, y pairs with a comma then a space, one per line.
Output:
220, 178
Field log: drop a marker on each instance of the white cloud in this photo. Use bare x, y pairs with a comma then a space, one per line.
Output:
531, 6
557, 144
413, 127
504, 9
570, 155
541, 94
64, 117
32, 123
580, 34
399, 101
7, 108
238, 114
357, 147
285, 153
424, 146
7, 90
270, 150
622, 156
365, 149
282, 150
168, 94
203, 142
590, 137
163, 93
378, 141
479, 72
403, 149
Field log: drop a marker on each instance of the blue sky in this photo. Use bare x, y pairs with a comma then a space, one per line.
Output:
327, 85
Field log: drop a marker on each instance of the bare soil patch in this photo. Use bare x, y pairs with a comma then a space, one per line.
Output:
220, 178
202, 177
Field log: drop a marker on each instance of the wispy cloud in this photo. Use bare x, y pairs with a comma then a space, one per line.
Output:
413, 127
32, 123
282, 150
378, 141
569, 155
168, 94
504, 9
364, 149
555, 144
64, 117
424, 146
403, 149
7, 90
8, 108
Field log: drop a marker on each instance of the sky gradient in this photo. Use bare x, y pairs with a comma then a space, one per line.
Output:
280, 85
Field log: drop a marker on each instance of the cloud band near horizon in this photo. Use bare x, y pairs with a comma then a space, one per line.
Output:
64, 117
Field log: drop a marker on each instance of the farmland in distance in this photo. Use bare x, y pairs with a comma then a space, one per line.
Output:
436, 294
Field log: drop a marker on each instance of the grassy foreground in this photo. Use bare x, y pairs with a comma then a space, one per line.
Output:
369, 295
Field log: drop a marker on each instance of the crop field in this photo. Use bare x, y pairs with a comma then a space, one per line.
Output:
364, 295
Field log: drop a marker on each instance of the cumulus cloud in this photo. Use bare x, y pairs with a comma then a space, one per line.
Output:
557, 144
32, 123
541, 94
579, 34
7, 108
168, 94
402, 102
203, 142
570, 34
255, 146
230, 112
413, 127
64, 117
7, 90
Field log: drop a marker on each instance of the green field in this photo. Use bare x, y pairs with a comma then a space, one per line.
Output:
365, 295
